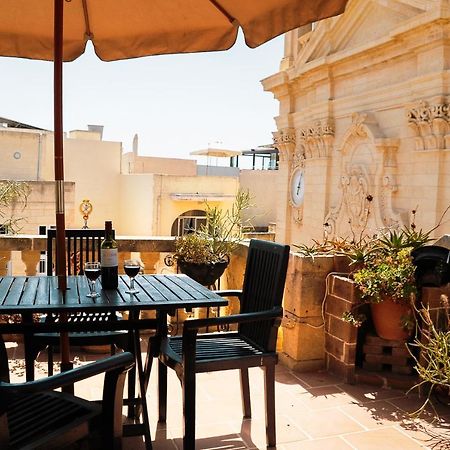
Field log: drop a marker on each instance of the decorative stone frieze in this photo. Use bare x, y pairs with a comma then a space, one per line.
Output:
430, 123
317, 139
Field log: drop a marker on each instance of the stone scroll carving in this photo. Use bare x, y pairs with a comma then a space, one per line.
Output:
430, 123
367, 182
317, 139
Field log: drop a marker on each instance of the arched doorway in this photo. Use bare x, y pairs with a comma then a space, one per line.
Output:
188, 222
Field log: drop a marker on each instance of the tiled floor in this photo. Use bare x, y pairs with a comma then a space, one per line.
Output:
314, 412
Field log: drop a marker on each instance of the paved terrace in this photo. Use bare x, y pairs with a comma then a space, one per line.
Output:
314, 412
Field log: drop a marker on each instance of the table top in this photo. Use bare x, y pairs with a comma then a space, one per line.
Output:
158, 292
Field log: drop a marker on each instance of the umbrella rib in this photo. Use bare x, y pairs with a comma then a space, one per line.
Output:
86, 20
223, 11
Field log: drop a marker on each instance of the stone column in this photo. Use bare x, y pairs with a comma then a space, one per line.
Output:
31, 260
150, 260
284, 141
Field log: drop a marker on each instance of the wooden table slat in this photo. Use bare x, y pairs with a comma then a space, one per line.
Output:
174, 288
29, 294
43, 291
5, 284
194, 288
147, 284
15, 291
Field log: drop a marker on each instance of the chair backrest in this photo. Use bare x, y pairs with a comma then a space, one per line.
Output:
264, 279
81, 245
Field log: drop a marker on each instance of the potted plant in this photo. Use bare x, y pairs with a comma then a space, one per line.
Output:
388, 284
204, 254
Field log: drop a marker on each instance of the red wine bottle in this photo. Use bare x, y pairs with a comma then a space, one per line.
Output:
109, 258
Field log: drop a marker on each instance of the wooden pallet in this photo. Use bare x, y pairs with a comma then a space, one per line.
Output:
386, 356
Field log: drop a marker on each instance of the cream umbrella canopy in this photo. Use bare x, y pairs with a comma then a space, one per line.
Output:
58, 30
121, 29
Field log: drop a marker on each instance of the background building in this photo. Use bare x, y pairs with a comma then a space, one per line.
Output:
142, 195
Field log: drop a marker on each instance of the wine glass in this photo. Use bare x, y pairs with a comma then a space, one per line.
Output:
92, 271
132, 268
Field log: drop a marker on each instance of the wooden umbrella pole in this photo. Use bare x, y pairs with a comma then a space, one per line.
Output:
58, 145
66, 364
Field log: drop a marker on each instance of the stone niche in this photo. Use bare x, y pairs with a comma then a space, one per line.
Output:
367, 181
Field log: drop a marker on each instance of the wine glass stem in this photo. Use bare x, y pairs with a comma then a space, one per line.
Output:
92, 287
132, 284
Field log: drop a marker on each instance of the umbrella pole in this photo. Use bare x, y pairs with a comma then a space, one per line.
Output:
66, 364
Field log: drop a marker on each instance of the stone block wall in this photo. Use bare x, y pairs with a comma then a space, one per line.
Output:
340, 336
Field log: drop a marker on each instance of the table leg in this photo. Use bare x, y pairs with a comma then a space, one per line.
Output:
27, 319
142, 387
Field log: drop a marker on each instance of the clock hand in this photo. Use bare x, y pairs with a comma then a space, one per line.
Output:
299, 183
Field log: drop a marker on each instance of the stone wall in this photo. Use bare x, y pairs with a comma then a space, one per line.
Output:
340, 336
364, 112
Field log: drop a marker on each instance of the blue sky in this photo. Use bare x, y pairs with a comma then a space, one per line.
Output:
176, 103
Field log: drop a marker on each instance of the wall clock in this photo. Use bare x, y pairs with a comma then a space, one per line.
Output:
297, 187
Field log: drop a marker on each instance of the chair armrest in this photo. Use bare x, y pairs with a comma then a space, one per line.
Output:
195, 324
124, 360
229, 293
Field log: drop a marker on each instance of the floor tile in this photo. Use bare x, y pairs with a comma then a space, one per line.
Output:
382, 439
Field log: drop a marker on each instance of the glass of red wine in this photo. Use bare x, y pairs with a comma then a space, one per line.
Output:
92, 272
132, 268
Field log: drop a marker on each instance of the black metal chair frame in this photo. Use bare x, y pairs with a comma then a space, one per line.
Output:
34, 416
252, 345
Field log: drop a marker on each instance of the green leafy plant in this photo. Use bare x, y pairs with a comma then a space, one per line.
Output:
215, 240
433, 343
12, 193
387, 275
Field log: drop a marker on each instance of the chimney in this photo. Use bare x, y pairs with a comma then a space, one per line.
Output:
96, 129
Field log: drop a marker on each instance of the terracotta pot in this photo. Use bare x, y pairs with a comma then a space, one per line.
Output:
205, 274
388, 317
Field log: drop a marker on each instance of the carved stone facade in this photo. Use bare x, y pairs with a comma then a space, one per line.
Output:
365, 97
367, 183
430, 123
317, 140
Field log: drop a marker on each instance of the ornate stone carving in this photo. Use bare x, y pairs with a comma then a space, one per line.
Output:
284, 141
317, 139
430, 124
367, 182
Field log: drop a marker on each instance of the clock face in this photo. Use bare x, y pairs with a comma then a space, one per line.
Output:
297, 187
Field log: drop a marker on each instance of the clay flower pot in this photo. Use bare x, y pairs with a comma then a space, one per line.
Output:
388, 318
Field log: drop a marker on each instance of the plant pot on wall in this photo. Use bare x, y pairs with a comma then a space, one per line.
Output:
204, 273
390, 320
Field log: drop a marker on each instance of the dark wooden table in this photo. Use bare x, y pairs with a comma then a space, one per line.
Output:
162, 293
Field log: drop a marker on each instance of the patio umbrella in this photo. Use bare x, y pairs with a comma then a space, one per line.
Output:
121, 29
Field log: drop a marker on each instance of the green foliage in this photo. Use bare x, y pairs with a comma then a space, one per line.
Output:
219, 237
12, 193
433, 365
387, 275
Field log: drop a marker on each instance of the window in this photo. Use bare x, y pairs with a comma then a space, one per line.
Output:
188, 222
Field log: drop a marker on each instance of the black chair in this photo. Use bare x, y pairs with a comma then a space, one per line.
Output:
34, 416
252, 345
81, 245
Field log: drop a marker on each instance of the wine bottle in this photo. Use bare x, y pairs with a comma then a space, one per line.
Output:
109, 258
